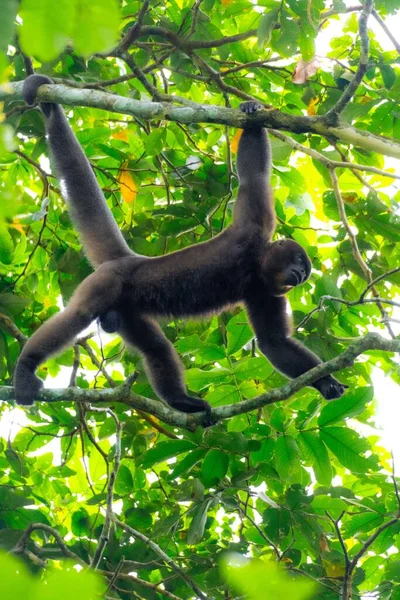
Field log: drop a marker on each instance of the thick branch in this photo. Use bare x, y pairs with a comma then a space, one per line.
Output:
123, 394
173, 110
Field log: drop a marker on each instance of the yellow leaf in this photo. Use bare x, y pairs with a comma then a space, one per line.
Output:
235, 141
311, 107
350, 198
127, 185
18, 227
121, 135
226, 2
336, 570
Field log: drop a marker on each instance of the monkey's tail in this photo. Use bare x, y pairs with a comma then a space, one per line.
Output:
101, 237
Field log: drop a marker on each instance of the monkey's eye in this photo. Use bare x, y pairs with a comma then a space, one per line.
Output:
298, 259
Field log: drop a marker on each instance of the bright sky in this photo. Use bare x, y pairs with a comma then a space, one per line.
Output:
386, 391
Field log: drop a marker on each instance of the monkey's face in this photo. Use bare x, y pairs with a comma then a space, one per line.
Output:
286, 266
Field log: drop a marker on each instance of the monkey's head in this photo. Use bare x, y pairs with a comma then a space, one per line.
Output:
286, 265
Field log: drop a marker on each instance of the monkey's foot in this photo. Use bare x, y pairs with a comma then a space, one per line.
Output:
110, 321
27, 386
188, 404
250, 107
330, 388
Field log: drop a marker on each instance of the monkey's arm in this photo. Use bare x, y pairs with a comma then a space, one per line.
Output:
162, 363
289, 356
254, 202
101, 237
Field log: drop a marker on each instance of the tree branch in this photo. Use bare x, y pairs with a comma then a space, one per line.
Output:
362, 65
105, 533
20, 546
123, 394
167, 559
386, 30
327, 162
192, 112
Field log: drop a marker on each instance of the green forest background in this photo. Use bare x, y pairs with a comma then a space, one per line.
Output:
104, 491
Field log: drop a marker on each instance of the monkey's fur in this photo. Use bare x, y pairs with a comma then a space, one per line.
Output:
128, 291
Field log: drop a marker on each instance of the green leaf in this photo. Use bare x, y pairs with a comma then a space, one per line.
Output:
363, 522
278, 418
314, 450
347, 446
15, 581
238, 332
80, 523
47, 27
138, 518
7, 25
214, 468
96, 26
287, 42
307, 41
222, 395
196, 528
164, 450
249, 577
6, 244
388, 75
11, 499
266, 26
287, 456
124, 481
186, 464
392, 571
67, 584
334, 506
252, 368
197, 379
155, 141
265, 453
350, 405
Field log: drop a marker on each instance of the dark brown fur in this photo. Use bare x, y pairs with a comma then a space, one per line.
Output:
128, 291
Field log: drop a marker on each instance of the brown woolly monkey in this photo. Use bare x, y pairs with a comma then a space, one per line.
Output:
127, 292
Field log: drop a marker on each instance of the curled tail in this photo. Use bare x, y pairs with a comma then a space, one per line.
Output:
101, 237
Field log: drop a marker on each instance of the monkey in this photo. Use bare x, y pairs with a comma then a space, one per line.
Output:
127, 292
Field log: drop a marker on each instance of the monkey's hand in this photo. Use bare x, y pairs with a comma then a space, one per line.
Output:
330, 388
26, 385
30, 88
250, 107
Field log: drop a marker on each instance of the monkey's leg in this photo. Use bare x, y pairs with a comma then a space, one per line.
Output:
162, 363
93, 297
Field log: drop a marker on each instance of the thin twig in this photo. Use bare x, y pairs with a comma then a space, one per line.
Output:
108, 519
167, 559
20, 546
362, 64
